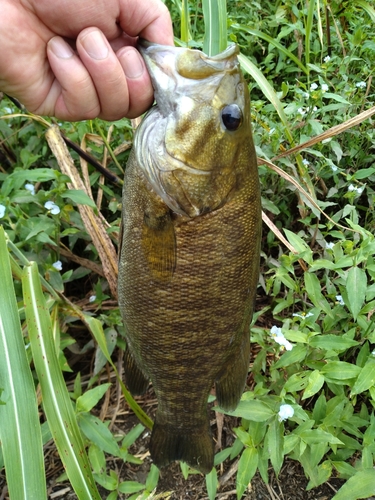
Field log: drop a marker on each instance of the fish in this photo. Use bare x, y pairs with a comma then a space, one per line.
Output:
190, 247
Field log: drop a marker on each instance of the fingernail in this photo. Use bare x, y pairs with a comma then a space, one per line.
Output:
60, 48
132, 63
95, 45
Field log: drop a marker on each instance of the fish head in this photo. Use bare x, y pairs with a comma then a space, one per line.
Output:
190, 144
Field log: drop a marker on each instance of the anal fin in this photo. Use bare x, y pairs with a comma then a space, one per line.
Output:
230, 385
135, 380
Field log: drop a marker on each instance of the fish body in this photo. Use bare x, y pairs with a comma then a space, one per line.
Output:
189, 260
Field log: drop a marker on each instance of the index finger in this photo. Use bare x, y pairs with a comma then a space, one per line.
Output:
149, 19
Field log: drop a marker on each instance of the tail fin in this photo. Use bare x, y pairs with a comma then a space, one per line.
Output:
195, 447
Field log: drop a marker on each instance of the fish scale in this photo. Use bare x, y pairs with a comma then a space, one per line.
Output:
189, 259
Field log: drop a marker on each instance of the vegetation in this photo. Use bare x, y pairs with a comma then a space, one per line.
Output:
311, 392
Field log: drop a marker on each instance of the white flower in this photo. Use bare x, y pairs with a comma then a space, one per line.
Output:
360, 85
57, 265
315, 108
305, 162
329, 245
30, 187
302, 315
279, 338
373, 353
326, 59
340, 300
52, 207
306, 95
301, 111
2, 211
324, 87
313, 86
358, 190
286, 411
92, 298
334, 168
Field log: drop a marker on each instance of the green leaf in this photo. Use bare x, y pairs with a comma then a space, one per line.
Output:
251, 410
356, 285
366, 378
322, 474
330, 342
91, 397
268, 91
100, 359
152, 478
132, 435
130, 487
97, 459
215, 22
247, 467
361, 485
97, 432
313, 290
109, 482
56, 401
20, 433
300, 245
274, 442
185, 22
315, 436
335, 97
272, 41
297, 354
79, 197
364, 173
315, 383
340, 370
211, 484
367, 8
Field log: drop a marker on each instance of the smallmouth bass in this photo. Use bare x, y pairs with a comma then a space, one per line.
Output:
189, 261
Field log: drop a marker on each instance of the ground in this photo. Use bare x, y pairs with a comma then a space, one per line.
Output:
290, 485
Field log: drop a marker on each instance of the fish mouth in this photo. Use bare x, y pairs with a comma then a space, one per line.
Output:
167, 64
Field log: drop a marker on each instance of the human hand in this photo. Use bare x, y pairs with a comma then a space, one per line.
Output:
77, 60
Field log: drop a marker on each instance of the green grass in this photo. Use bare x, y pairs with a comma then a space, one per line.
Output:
312, 93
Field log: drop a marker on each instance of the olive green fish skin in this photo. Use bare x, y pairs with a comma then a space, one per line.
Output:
189, 260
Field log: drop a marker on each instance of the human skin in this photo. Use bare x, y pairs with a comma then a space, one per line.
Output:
77, 60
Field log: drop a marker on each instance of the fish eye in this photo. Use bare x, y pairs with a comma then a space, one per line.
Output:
231, 115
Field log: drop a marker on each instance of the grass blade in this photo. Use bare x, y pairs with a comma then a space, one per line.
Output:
57, 405
367, 8
215, 22
274, 42
185, 22
20, 432
268, 91
308, 29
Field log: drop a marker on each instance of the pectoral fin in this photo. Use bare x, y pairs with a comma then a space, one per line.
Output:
159, 242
